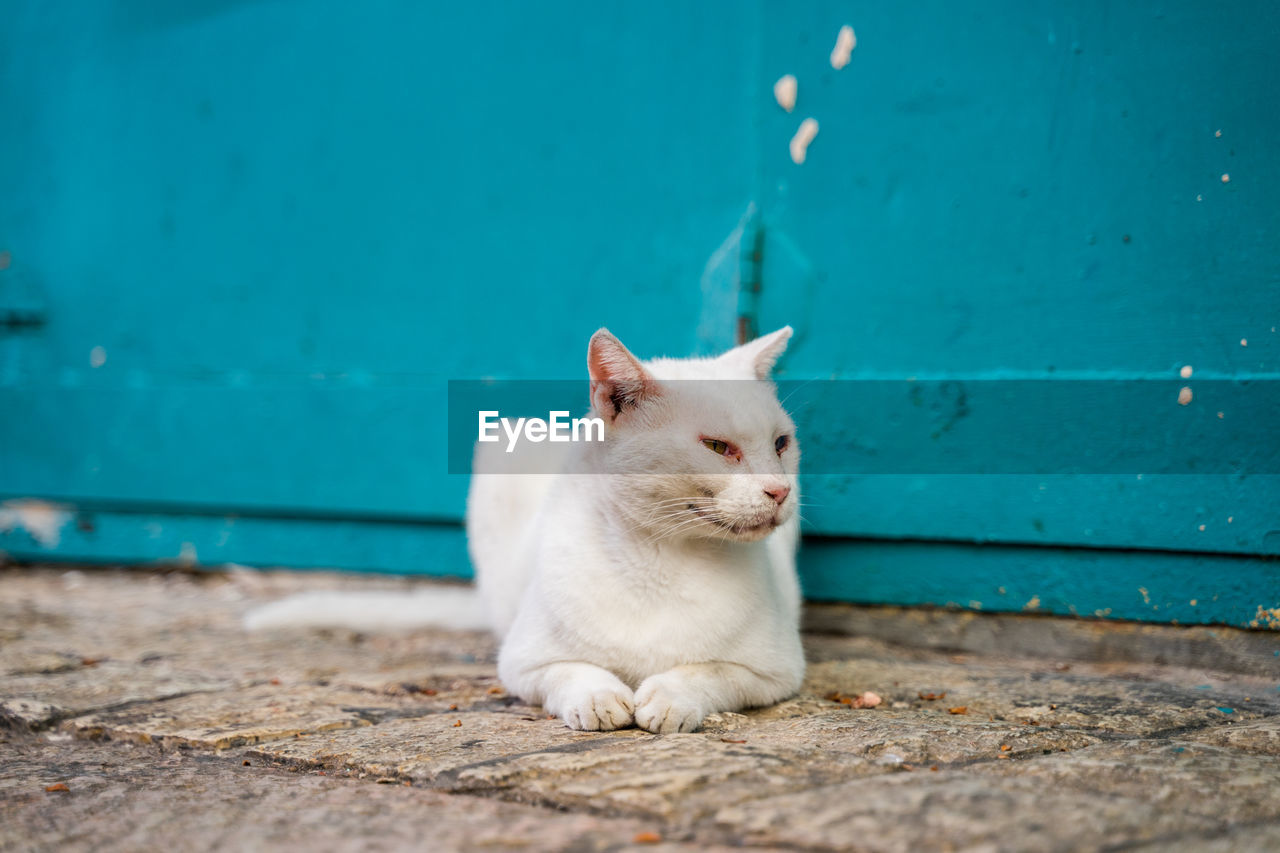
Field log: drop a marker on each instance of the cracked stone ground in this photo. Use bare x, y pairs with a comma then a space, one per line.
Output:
172, 728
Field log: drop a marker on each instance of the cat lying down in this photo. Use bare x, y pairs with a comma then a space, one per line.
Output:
652, 581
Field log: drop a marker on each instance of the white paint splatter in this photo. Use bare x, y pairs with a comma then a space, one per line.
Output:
1184, 396
97, 357
800, 142
1199, 198
1244, 342
43, 520
1226, 179
1185, 373
846, 41
1217, 133
784, 91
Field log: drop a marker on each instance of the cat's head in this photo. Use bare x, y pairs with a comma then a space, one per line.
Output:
696, 447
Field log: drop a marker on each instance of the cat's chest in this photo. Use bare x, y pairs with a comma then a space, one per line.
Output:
680, 608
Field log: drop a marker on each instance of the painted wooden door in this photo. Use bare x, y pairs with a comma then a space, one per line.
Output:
246, 245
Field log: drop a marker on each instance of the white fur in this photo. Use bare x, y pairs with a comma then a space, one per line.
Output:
617, 600
440, 606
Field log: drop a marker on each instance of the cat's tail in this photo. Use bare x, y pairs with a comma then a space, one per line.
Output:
456, 607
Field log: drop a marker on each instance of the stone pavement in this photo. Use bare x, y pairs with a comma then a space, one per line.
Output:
172, 728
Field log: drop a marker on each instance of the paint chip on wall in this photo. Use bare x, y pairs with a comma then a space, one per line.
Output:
43, 520
846, 41
1185, 373
800, 142
1184, 396
784, 91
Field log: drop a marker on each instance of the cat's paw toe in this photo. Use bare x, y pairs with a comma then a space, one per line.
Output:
600, 711
663, 711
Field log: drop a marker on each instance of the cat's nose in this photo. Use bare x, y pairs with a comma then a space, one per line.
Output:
778, 493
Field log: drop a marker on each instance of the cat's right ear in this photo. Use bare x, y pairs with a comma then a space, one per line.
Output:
619, 381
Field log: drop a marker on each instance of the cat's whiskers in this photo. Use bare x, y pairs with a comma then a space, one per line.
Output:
669, 509
675, 507
688, 518
783, 401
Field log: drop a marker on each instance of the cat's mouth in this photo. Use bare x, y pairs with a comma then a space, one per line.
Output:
740, 528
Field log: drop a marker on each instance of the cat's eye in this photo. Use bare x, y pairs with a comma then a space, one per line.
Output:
781, 442
716, 445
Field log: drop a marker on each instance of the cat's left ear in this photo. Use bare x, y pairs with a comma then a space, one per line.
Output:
619, 381
762, 353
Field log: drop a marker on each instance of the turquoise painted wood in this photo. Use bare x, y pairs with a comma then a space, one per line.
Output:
244, 246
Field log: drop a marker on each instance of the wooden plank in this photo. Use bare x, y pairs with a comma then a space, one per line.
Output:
215, 541
1027, 191
1145, 586
1141, 585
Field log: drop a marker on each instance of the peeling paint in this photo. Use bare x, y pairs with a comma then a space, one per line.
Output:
42, 520
1033, 604
846, 41
1267, 617
800, 142
784, 92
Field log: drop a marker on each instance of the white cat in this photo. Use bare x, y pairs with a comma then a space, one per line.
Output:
654, 581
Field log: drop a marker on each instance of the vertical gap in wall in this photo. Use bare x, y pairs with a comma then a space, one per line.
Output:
751, 281
751, 247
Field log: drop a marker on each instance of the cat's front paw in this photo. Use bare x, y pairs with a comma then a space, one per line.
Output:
663, 708
600, 710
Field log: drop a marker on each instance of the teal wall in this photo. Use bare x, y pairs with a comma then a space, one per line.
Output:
287, 225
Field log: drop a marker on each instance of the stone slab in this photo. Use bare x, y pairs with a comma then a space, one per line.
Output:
127, 797
145, 696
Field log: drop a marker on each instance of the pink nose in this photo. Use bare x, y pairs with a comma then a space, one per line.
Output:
778, 493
